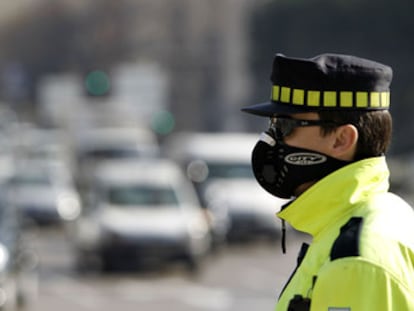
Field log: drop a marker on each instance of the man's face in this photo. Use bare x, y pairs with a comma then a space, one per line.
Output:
310, 137
295, 153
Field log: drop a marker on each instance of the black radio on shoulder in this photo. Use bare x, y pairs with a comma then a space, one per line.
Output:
298, 303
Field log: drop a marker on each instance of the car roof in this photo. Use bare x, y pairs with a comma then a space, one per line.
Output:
150, 171
233, 147
115, 136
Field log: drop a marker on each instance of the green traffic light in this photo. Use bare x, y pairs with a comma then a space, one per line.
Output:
97, 83
163, 122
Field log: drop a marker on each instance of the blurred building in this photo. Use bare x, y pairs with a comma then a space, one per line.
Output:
202, 46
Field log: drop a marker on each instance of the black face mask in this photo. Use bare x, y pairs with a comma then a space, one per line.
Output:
280, 168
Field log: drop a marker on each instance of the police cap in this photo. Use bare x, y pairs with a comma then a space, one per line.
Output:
325, 82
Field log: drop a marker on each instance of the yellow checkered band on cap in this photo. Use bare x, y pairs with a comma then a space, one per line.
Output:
330, 99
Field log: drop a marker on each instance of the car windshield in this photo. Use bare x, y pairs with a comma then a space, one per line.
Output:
229, 170
30, 179
142, 195
110, 153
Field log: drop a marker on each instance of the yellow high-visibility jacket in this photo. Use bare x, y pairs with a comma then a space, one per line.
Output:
362, 253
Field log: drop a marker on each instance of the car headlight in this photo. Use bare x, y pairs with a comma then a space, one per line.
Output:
4, 257
68, 207
197, 227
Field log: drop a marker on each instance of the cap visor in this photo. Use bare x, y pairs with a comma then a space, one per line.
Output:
269, 109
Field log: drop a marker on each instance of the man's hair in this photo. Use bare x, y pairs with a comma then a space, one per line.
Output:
374, 129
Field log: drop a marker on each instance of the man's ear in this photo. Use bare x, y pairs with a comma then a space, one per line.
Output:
345, 142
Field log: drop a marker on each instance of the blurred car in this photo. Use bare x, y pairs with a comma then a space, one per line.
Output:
141, 211
7, 153
251, 210
18, 259
33, 142
44, 192
94, 145
218, 163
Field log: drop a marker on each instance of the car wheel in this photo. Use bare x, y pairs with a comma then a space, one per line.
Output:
27, 280
27, 288
193, 264
86, 262
107, 264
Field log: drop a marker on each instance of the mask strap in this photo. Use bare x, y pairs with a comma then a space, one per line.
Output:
283, 236
284, 228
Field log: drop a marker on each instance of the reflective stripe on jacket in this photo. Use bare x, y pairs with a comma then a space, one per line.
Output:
369, 263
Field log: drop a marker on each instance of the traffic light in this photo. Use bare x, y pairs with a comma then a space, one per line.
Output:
97, 83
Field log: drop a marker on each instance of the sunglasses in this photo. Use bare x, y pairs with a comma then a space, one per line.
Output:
284, 126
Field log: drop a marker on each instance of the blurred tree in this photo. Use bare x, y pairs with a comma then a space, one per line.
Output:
378, 30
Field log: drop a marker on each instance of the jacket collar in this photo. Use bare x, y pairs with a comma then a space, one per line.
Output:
336, 195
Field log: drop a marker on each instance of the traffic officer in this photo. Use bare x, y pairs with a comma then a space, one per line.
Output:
329, 128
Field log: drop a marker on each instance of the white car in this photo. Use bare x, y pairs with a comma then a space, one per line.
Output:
32, 142
94, 145
140, 211
44, 192
219, 165
251, 210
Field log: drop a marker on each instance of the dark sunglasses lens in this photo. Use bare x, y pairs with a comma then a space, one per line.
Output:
285, 126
